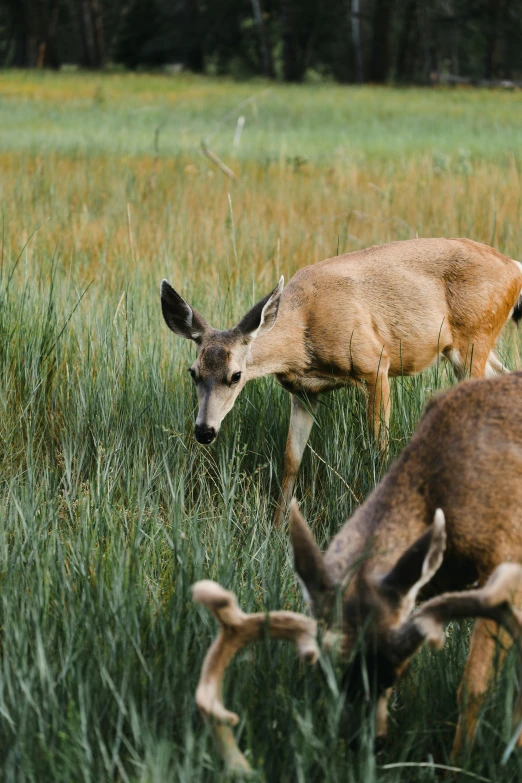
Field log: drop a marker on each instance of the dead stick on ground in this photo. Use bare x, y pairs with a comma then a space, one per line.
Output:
219, 163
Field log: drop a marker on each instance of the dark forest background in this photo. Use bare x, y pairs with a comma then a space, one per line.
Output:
408, 41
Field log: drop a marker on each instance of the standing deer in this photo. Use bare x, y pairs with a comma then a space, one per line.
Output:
358, 318
447, 515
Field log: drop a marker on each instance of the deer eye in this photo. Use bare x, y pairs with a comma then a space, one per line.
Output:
236, 377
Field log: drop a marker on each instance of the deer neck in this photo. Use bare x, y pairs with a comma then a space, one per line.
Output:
387, 523
277, 352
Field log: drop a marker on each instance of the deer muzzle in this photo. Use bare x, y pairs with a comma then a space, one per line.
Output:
204, 434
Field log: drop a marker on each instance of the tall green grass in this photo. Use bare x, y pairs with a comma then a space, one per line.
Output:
109, 509
120, 114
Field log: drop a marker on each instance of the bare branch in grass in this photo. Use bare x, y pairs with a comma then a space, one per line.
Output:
219, 163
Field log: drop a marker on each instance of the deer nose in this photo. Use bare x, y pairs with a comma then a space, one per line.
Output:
204, 434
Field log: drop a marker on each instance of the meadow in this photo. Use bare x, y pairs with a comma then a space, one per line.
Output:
110, 510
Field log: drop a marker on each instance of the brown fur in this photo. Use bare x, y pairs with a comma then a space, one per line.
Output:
446, 517
465, 458
359, 318
398, 305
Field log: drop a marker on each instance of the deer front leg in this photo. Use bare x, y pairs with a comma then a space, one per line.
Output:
301, 421
378, 410
474, 359
479, 673
381, 716
494, 366
498, 618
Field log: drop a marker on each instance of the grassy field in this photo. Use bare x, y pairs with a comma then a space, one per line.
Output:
109, 509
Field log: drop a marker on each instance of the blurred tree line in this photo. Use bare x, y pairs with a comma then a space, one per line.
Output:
409, 41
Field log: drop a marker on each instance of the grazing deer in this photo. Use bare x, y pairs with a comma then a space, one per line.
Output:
358, 318
448, 515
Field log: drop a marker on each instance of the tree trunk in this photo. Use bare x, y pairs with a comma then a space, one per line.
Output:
91, 32
425, 31
291, 70
379, 64
28, 40
99, 38
507, 72
194, 58
194, 52
497, 9
47, 55
268, 65
20, 32
407, 43
356, 41
84, 17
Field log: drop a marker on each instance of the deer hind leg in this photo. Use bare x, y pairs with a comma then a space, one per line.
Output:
301, 422
478, 674
378, 410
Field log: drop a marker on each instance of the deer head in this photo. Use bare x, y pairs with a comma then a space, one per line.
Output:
373, 609
382, 611
219, 372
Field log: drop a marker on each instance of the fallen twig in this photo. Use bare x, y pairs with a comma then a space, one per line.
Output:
219, 163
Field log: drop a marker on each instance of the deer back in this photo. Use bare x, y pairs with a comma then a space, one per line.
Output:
466, 459
408, 301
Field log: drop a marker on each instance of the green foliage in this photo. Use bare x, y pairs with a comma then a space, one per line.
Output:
410, 41
110, 510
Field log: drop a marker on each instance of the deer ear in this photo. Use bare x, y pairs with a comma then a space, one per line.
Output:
261, 318
309, 562
494, 602
416, 566
179, 316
